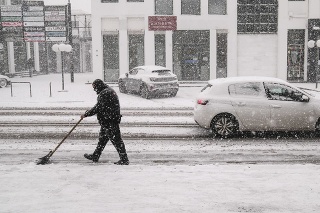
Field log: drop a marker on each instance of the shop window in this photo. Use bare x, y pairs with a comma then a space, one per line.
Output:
257, 16
136, 50
109, 1
160, 49
217, 7
190, 7
295, 55
163, 7
222, 56
111, 57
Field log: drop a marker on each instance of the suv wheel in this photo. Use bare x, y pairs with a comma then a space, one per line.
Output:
3, 83
144, 92
122, 87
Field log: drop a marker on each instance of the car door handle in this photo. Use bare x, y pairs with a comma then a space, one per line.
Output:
275, 106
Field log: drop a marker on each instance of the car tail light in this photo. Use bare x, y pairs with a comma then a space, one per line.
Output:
202, 102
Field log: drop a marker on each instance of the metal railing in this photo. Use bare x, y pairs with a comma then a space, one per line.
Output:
20, 83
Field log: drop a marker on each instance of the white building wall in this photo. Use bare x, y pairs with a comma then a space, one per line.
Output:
257, 55
281, 52
247, 54
125, 11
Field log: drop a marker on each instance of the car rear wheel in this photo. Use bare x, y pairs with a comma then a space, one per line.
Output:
3, 83
144, 92
174, 93
122, 87
317, 128
225, 125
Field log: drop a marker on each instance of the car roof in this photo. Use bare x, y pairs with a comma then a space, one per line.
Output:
152, 67
241, 79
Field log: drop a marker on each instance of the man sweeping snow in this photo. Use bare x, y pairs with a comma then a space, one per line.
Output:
108, 114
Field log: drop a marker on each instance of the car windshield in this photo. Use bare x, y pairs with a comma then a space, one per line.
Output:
206, 87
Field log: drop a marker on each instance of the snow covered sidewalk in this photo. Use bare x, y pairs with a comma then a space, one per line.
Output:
177, 188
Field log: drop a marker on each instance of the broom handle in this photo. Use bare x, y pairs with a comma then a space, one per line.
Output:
65, 137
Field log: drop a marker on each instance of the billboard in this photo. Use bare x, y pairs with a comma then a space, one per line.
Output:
33, 21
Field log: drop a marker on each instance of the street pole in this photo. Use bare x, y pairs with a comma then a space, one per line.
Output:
62, 70
70, 40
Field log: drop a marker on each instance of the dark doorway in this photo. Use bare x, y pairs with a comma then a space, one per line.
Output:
191, 55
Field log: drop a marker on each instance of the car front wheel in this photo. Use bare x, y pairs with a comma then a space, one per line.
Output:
3, 83
144, 92
225, 125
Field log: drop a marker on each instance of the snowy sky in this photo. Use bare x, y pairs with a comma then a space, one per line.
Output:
84, 5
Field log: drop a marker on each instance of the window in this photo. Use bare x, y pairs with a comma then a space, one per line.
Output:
160, 49
135, 0
295, 55
247, 89
133, 72
111, 57
190, 7
109, 1
16, 2
257, 16
136, 50
282, 92
163, 7
217, 7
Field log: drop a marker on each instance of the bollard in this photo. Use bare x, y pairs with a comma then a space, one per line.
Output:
50, 89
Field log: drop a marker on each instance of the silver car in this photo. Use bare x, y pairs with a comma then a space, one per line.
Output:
149, 81
229, 105
4, 81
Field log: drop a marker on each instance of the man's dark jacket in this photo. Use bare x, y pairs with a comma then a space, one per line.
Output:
107, 107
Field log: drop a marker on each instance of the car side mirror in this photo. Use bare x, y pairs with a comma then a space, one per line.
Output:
127, 75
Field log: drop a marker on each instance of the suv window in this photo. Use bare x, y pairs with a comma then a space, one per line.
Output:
247, 89
133, 71
282, 92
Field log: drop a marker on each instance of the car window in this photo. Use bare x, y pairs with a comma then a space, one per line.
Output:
282, 92
133, 71
161, 72
247, 89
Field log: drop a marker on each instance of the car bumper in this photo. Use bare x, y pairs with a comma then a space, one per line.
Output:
163, 88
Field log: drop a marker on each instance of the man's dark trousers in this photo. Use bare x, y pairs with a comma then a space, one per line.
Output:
111, 132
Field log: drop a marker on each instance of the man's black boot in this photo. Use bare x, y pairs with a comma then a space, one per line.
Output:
123, 160
93, 157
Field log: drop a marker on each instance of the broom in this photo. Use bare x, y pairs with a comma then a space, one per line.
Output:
45, 159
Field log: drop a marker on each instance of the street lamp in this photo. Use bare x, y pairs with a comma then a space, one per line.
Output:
62, 48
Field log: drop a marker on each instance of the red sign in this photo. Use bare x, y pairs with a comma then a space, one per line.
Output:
162, 23
12, 24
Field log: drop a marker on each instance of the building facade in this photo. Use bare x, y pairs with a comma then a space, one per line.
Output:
207, 39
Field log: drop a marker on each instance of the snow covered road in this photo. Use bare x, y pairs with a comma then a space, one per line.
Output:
164, 176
